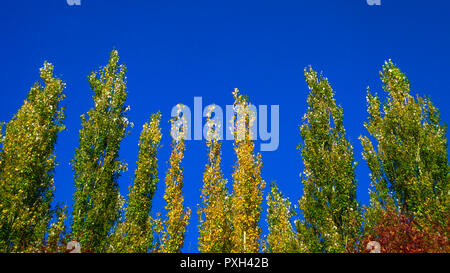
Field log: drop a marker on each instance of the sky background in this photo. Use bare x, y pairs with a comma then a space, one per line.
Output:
176, 50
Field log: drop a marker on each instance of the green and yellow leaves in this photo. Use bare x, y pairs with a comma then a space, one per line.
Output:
281, 238
27, 165
329, 204
215, 213
171, 231
97, 202
248, 184
135, 233
407, 152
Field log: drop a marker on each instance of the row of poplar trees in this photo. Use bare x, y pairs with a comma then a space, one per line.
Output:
405, 149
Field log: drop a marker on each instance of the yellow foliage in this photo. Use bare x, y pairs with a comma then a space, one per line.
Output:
248, 183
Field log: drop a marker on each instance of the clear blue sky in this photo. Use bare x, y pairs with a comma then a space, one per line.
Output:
175, 50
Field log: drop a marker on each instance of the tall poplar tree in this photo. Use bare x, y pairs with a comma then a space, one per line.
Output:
282, 237
172, 230
408, 155
329, 206
97, 202
135, 233
214, 214
248, 184
27, 165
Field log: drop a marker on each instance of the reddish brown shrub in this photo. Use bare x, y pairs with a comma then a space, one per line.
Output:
398, 233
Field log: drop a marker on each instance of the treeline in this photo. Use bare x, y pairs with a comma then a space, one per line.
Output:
405, 148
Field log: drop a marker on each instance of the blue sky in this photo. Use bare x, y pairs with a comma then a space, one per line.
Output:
175, 50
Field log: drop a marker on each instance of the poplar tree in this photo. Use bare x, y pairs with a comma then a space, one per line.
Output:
172, 230
406, 153
96, 165
248, 184
282, 237
135, 233
27, 164
214, 214
329, 206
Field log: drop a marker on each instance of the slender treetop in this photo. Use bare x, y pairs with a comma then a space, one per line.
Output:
248, 184
329, 201
407, 151
27, 163
96, 165
135, 233
215, 223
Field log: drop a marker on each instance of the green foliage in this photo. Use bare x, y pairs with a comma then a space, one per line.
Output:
282, 237
27, 164
97, 202
409, 166
57, 231
135, 233
329, 204
406, 151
